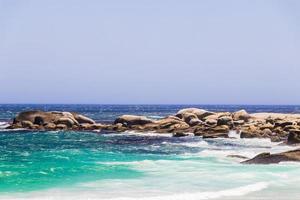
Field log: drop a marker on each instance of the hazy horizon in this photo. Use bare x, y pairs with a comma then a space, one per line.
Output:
150, 52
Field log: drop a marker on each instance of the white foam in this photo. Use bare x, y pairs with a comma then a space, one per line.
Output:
137, 133
93, 195
239, 191
4, 125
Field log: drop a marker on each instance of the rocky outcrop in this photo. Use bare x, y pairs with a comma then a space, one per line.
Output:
53, 120
276, 126
267, 158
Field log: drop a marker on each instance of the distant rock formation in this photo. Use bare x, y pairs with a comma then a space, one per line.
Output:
278, 127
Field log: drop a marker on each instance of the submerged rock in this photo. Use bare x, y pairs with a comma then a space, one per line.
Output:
267, 158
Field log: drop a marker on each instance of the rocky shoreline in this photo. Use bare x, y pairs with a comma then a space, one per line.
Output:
276, 126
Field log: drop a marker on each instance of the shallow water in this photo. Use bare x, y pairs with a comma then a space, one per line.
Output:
91, 165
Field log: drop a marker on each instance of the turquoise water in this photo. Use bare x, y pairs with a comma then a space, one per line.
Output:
80, 165
128, 166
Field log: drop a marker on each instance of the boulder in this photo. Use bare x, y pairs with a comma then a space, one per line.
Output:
250, 132
241, 115
170, 124
27, 124
64, 120
200, 113
50, 126
61, 126
225, 120
215, 135
211, 122
283, 123
267, 158
129, 120
180, 134
83, 119
294, 136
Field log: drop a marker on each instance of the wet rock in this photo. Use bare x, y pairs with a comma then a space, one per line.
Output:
180, 134
215, 135
294, 136
237, 156
267, 158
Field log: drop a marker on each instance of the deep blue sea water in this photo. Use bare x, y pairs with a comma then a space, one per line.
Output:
98, 165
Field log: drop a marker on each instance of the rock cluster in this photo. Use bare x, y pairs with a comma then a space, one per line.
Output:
277, 127
54, 120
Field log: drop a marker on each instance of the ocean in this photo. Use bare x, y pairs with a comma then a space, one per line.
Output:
131, 165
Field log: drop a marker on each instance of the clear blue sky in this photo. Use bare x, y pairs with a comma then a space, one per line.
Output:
155, 51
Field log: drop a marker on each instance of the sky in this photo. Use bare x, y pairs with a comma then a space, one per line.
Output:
150, 51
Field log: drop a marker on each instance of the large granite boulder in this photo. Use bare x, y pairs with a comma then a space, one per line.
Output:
130, 120
267, 158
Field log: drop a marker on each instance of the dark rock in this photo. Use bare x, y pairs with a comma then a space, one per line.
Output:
267, 158
294, 137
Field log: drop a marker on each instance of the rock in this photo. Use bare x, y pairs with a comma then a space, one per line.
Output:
61, 126
194, 122
219, 129
180, 134
129, 120
266, 126
64, 120
88, 126
200, 113
291, 127
266, 133
283, 123
267, 158
237, 156
83, 119
215, 135
238, 122
40, 119
225, 120
27, 124
211, 122
50, 126
294, 137
241, 115
251, 131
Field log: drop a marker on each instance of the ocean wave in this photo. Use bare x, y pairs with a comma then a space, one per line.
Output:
239, 191
3, 125
137, 133
80, 195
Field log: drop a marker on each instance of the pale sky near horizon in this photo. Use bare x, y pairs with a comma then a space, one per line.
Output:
150, 52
